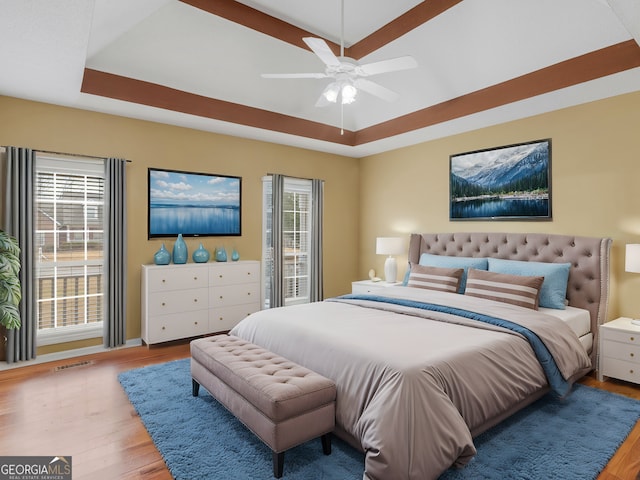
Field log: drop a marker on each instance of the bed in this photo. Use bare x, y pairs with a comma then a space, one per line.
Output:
420, 372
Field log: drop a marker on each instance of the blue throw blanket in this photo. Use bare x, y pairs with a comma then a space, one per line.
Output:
556, 381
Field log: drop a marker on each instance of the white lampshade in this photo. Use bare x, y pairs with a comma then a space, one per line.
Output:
390, 246
632, 258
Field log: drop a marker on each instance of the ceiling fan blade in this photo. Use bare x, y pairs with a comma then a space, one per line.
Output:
391, 65
322, 50
376, 89
293, 75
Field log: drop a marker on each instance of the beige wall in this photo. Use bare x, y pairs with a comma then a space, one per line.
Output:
595, 171
147, 144
595, 176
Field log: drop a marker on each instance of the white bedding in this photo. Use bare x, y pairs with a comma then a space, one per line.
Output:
578, 319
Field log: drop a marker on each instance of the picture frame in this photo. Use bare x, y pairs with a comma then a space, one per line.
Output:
511, 182
193, 204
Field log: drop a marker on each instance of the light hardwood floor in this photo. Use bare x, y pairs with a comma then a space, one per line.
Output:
83, 412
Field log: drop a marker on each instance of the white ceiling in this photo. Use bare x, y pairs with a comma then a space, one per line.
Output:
46, 45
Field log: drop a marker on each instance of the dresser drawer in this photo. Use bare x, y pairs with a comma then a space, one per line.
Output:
166, 279
621, 351
234, 295
163, 303
621, 369
164, 328
234, 273
620, 336
225, 318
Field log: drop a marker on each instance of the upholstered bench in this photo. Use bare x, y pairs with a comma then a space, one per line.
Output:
281, 402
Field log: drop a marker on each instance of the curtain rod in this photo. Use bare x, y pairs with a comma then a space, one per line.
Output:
77, 155
291, 176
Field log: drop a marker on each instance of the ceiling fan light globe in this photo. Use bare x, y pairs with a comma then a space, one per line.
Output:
331, 92
349, 93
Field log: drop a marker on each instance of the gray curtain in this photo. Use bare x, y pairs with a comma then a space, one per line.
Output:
276, 298
20, 166
115, 321
316, 293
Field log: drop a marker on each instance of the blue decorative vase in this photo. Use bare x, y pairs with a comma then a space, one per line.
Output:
221, 255
235, 256
200, 255
180, 250
162, 256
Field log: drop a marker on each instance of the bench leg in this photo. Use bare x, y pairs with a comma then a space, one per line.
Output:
195, 388
326, 443
278, 464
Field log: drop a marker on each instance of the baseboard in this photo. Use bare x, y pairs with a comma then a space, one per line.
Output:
77, 352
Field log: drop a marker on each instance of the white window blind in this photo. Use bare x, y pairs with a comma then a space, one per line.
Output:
69, 242
296, 237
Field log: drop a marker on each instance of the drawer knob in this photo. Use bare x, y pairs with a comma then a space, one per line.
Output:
195, 323
163, 280
221, 318
221, 297
195, 278
248, 293
163, 304
220, 275
632, 339
195, 300
164, 328
631, 354
631, 371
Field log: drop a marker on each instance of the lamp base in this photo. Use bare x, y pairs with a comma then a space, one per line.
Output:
390, 269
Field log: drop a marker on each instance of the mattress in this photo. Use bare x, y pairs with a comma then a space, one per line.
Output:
578, 320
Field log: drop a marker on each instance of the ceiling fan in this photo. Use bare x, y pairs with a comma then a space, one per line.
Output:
348, 75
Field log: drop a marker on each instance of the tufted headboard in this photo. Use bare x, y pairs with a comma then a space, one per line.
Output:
588, 285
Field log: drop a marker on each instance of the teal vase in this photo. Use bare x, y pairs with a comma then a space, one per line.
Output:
180, 250
221, 255
162, 256
235, 256
200, 255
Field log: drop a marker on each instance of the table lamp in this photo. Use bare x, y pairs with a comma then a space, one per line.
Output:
390, 246
632, 263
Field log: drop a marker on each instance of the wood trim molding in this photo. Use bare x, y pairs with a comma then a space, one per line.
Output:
600, 63
418, 15
256, 20
127, 89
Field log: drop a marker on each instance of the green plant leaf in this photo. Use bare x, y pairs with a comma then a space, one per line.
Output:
9, 316
10, 291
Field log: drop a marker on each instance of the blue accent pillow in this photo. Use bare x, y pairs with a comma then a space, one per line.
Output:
553, 293
446, 261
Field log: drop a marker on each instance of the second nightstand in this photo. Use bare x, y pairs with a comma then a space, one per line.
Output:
620, 350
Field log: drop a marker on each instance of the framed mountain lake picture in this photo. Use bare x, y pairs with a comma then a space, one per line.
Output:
503, 183
193, 204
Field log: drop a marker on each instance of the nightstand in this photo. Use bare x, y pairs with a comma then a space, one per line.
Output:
368, 286
620, 350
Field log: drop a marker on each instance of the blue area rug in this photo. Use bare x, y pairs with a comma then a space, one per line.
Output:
551, 439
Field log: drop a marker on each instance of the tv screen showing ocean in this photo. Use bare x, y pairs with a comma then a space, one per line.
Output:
194, 220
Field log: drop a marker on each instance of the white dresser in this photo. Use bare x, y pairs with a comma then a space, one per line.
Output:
620, 350
182, 301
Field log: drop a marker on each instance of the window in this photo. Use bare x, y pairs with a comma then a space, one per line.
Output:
69, 243
296, 239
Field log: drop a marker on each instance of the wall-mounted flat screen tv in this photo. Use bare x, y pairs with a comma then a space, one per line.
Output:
193, 204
